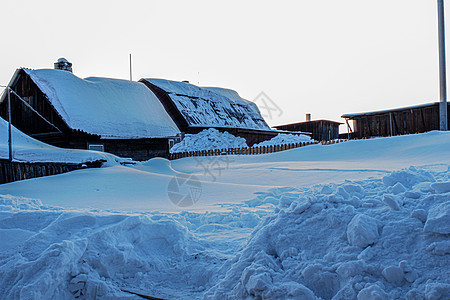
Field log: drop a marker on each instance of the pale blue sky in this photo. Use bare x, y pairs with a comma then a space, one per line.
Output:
324, 57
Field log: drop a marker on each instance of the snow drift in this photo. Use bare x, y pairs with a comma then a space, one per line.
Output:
27, 149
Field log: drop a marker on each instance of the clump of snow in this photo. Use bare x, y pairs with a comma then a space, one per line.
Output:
441, 187
285, 139
438, 220
407, 178
208, 139
362, 231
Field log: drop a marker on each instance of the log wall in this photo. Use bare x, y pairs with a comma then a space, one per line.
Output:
14, 171
397, 122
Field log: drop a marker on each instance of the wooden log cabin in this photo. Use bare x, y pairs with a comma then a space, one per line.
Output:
117, 116
399, 121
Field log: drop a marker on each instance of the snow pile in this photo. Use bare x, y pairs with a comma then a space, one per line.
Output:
111, 108
285, 139
208, 139
54, 254
27, 149
373, 239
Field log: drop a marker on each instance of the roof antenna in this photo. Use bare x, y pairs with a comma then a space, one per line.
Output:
131, 73
198, 79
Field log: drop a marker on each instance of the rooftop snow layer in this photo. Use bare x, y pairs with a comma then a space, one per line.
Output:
111, 108
211, 107
233, 96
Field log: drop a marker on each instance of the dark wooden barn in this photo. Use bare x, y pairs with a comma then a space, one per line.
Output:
320, 130
406, 120
117, 116
195, 108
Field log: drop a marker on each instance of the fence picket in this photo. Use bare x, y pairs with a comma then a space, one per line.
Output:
216, 152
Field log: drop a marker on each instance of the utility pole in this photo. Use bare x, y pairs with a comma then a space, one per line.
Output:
442, 69
8, 90
131, 73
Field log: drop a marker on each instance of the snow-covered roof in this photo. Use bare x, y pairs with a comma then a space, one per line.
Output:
233, 96
111, 108
211, 107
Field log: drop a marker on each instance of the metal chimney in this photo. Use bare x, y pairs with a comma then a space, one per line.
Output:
63, 64
308, 117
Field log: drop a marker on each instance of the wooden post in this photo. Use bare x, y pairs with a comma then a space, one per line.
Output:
131, 72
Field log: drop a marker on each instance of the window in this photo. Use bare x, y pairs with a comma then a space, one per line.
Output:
171, 143
96, 147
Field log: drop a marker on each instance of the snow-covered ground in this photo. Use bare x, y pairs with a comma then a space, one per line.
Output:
362, 219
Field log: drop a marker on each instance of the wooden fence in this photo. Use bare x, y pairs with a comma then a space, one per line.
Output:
14, 171
248, 150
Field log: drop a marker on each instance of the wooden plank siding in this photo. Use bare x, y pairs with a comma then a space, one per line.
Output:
24, 118
14, 171
396, 122
321, 130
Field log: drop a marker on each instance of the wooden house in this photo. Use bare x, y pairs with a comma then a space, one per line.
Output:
406, 120
195, 108
117, 116
319, 130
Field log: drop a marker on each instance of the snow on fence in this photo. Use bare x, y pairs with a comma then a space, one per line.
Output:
249, 150
14, 171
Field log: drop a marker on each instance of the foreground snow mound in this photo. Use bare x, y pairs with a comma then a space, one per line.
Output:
285, 139
50, 253
208, 139
372, 239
